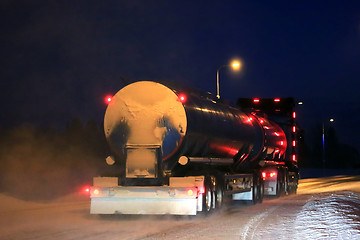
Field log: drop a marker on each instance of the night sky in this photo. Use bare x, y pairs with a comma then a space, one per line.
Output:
60, 58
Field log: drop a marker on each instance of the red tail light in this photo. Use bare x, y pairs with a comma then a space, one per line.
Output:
85, 190
108, 99
264, 175
201, 190
272, 174
182, 98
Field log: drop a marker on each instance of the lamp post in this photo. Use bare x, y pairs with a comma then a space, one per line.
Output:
323, 142
235, 64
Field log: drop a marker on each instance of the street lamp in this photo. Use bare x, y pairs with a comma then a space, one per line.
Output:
323, 141
235, 64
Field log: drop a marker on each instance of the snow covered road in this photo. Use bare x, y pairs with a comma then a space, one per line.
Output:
324, 208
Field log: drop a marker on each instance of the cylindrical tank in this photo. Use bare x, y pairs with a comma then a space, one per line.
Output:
182, 123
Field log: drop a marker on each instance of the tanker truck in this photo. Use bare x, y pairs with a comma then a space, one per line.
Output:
180, 152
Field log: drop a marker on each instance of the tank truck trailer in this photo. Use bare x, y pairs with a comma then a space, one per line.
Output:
180, 152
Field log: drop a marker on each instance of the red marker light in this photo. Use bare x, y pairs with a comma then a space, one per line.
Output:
263, 174
182, 98
277, 100
108, 99
273, 174
256, 100
86, 190
201, 190
294, 114
294, 157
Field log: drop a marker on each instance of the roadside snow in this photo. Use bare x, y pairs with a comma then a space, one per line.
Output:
336, 216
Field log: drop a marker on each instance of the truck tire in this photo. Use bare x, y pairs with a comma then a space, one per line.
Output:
280, 184
292, 190
219, 193
208, 196
258, 190
261, 190
255, 190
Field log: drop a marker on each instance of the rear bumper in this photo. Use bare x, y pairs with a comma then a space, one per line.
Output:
181, 198
118, 205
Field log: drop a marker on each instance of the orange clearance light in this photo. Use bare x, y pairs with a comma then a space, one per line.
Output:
190, 192
256, 100
182, 98
277, 100
108, 99
96, 191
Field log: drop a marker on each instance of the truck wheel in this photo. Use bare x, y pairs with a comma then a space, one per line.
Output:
280, 186
255, 191
219, 194
292, 190
207, 196
261, 190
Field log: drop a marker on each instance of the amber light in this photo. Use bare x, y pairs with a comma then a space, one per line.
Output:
96, 191
190, 192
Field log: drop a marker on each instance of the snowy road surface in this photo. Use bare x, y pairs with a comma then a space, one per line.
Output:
326, 208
